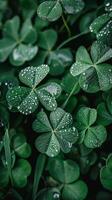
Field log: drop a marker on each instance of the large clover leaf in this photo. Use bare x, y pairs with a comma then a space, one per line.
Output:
58, 132
106, 174
102, 27
18, 45
26, 99
92, 136
67, 172
94, 74
52, 10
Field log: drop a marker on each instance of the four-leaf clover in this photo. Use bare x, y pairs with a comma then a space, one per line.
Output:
58, 132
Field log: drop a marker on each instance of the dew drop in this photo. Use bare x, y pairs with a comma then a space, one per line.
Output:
56, 195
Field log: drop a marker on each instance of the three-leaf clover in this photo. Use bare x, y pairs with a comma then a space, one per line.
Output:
12, 169
106, 174
26, 99
91, 136
18, 45
58, 132
67, 173
94, 74
52, 10
59, 59
20, 173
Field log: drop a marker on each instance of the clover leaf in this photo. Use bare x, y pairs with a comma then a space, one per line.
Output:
91, 136
67, 172
20, 173
20, 146
106, 174
58, 132
102, 27
104, 115
64, 171
18, 45
94, 74
73, 6
26, 99
52, 10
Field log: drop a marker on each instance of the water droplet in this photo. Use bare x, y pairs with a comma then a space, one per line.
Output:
56, 195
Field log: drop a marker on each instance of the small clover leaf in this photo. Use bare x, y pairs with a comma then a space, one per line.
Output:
91, 136
26, 99
94, 74
73, 6
58, 132
106, 174
77, 190
20, 173
18, 45
50, 10
20, 146
104, 115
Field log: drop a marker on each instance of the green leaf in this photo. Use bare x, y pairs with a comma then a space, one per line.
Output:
32, 76
23, 53
95, 136
47, 99
20, 146
11, 28
73, 6
28, 33
94, 75
104, 117
39, 167
109, 102
23, 99
58, 132
83, 62
64, 171
73, 84
92, 136
99, 22
4, 176
50, 10
75, 191
47, 39
6, 47
106, 174
86, 117
21, 171
59, 60
53, 88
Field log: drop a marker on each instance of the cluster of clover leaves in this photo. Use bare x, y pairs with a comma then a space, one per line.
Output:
48, 91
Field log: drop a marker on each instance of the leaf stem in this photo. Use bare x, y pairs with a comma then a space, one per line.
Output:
72, 38
66, 101
8, 154
66, 26
40, 163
